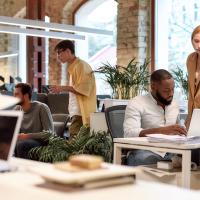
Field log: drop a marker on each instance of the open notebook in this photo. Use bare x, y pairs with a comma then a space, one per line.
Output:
10, 122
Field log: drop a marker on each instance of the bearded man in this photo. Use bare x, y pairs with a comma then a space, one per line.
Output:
155, 112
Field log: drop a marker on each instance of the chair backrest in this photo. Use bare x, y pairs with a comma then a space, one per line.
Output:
42, 97
115, 119
58, 103
60, 123
99, 98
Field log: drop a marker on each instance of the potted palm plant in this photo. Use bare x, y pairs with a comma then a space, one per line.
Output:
126, 81
181, 80
85, 142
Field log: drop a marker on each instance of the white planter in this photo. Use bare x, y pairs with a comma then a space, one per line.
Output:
98, 122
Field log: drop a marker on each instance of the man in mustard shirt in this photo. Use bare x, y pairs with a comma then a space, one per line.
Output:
81, 86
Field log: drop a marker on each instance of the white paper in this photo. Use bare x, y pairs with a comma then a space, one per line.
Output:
170, 138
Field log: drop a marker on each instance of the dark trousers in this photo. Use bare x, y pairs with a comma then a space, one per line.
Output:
144, 157
24, 146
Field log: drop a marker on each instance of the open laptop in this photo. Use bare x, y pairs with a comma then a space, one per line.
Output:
7, 101
194, 129
10, 122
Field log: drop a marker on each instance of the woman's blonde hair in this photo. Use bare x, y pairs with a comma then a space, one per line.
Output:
195, 31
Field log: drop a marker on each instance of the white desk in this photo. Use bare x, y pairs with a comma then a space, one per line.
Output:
142, 143
23, 185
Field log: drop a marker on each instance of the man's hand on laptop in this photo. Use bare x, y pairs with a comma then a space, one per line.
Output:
174, 130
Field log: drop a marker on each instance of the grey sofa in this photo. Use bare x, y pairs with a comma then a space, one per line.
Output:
58, 104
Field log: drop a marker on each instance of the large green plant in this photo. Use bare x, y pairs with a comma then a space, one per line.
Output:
126, 82
59, 149
181, 79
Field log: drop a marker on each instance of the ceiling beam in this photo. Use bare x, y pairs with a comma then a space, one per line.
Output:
40, 33
52, 26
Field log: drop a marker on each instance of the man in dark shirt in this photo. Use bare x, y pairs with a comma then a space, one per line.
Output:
37, 118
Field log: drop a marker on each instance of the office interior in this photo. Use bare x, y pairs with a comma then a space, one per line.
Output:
112, 32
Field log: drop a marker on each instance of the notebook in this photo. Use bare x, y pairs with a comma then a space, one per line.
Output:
10, 122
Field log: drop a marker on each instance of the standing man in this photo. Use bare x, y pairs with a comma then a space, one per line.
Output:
81, 86
37, 118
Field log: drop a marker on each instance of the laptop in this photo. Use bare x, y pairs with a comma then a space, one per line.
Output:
10, 122
7, 101
194, 129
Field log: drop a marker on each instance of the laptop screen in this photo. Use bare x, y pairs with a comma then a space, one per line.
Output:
9, 127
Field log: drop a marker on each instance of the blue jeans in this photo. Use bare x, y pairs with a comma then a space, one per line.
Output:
24, 146
144, 157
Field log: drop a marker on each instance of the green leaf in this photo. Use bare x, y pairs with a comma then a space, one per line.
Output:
127, 81
59, 149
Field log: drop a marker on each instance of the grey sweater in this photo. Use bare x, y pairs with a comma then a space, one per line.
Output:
36, 119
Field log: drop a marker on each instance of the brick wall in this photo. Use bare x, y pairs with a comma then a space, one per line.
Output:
133, 30
133, 35
9, 8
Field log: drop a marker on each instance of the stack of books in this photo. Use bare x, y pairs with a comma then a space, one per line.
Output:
86, 171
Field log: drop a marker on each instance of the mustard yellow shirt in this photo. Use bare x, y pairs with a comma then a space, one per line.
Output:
83, 82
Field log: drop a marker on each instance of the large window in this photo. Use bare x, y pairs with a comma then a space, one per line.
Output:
9, 58
175, 20
98, 49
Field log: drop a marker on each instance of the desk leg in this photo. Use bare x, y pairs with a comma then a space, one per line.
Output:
186, 169
117, 154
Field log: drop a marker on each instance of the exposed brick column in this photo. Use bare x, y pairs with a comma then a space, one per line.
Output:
133, 30
36, 47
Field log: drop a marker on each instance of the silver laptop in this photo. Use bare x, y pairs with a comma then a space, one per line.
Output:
194, 129
10, 122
